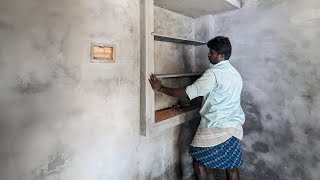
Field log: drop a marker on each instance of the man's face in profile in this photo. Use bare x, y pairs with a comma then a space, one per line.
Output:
214, 57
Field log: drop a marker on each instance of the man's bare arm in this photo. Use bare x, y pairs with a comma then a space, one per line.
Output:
175, 92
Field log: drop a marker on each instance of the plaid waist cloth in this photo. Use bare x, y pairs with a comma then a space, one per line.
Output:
227, 155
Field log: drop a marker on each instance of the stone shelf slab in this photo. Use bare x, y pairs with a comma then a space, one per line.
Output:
165, 38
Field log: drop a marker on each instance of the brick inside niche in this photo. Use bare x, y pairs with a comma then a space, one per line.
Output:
167, 113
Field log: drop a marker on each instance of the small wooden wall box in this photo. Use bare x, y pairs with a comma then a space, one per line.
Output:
103, 53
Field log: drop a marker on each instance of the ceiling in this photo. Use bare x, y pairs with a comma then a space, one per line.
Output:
197, 8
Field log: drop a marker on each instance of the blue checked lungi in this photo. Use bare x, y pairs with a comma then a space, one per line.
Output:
226, 155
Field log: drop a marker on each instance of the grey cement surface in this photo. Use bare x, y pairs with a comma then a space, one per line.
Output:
204, 30
170, 58
194, 9
62, 117
275, 48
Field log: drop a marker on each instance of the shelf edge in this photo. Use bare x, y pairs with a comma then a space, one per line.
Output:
177, 75
177, 39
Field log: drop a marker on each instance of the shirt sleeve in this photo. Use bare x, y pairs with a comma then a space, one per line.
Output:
203, 85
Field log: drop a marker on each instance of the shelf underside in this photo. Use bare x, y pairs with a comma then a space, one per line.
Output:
196, 8
178, 75
165, 38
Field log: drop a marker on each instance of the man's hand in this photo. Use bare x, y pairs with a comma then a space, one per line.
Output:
174, 92
155, 82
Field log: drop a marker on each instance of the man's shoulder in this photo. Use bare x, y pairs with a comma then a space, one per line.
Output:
216, 70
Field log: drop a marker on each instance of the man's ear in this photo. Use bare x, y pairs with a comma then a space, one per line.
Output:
221, 56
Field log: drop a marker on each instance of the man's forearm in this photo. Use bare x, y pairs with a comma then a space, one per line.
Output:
175, 92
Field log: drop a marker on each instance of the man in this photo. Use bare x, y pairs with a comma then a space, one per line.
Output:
217, 143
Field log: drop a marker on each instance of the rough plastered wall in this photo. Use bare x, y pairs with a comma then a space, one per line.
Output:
276, 49
62, 117
204, 31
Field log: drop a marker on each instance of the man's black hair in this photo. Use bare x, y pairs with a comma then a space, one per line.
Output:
221, 45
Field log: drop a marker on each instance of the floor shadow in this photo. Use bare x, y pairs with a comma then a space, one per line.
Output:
186, 134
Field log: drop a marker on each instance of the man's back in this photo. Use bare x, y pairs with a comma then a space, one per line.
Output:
221, 104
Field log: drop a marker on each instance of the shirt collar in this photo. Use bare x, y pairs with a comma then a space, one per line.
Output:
221, 63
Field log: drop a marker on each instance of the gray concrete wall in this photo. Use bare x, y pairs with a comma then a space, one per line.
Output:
204, 31
62, 117
276, 49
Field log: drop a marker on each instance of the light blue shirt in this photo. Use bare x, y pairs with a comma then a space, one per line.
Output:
220, 87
